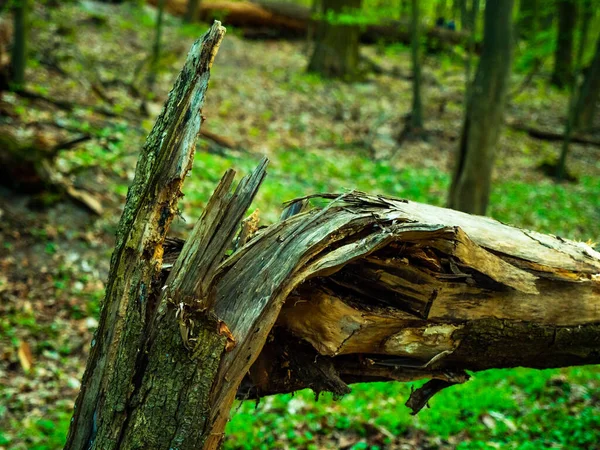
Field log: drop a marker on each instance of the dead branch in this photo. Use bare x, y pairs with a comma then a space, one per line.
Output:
552, 136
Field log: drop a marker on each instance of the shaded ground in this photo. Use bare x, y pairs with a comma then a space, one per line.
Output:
321, 136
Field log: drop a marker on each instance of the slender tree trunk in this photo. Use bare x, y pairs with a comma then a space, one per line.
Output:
154, 64
312, 26
579, 99
472, 29
563, 56
192, 10
587, 12
19, 49
528, 18
464, 15
336, 51
471, 181
561, 167
589, 94
417, 109
405, 6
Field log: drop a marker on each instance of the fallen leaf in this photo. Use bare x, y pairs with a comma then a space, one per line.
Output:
25, 356
224, 331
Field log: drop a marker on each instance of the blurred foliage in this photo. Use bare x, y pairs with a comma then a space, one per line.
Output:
517, 408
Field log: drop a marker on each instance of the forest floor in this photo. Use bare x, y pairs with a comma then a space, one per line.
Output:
321, 136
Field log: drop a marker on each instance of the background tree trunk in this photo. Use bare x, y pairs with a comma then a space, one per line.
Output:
154, 63
528, 18
471, 28
417, 108
471, 180
589, 94
19, 49
585, 17
563, 55
192, 10
336, 52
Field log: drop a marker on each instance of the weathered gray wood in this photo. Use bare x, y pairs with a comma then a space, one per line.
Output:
104, 402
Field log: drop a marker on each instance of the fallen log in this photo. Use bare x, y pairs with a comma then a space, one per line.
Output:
280, 19
553, 136
397, 290
367, 288
27, 165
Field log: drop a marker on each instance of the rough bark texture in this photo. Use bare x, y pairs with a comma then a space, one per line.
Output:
563, 55
188, 338
336, 46
471, 180
589, 94
104, 405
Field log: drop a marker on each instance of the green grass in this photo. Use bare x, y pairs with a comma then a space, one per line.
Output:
40, 433
522, 408
568, 210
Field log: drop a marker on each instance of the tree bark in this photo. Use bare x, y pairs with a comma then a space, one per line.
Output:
589, 94
417, 109
336, 48
19, 49
116, 363
586, 15
563, 55
471, 180
471, 28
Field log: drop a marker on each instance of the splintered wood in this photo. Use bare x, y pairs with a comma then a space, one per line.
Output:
392, 289
373, 288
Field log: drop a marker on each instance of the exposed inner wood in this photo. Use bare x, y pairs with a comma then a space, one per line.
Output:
374, 288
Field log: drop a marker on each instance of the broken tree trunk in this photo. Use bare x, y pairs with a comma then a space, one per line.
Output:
367, 288
117, 363
375, 288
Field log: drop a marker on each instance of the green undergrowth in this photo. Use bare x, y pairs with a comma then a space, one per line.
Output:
517, 408
568, 210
